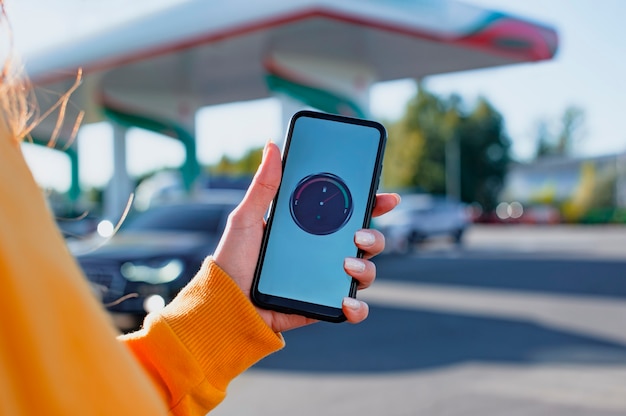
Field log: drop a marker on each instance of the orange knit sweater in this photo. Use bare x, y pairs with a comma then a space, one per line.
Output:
61, 355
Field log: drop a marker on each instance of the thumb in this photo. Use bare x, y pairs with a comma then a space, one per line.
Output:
264, 185
239, 246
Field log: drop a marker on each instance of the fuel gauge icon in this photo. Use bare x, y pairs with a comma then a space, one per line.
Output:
321, 204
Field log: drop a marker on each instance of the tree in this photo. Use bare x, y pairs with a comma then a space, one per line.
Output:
544, 147
245, 165
438, 143
415, 155
484, 149
569, 130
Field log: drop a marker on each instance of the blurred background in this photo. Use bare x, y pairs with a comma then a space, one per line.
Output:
502, 289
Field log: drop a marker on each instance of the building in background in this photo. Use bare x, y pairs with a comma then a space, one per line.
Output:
555, 189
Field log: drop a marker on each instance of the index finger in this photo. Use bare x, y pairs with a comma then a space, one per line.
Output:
385, 203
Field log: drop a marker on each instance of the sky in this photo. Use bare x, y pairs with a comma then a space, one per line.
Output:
587, 72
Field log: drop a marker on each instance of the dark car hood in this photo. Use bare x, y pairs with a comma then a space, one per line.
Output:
147, 244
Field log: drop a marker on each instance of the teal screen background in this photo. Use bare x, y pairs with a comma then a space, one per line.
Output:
308, 267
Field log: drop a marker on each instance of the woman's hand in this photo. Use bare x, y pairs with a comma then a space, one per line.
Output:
239, 248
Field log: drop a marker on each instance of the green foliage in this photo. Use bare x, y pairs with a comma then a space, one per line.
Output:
415, 154
245, 165
561, 139
438, 143
484, 150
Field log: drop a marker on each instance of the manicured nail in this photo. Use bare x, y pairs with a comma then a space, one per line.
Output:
266, 147
352, 303
354, 265
364, 238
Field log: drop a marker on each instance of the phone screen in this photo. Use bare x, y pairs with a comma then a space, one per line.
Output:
331, 166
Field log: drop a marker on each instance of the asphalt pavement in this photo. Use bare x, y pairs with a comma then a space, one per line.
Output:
516, 321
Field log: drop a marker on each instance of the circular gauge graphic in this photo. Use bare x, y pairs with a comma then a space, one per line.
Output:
321, 204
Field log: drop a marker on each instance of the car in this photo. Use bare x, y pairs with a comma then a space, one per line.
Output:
421, 217
154, 254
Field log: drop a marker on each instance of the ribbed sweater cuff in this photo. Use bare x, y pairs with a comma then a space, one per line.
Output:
219, 326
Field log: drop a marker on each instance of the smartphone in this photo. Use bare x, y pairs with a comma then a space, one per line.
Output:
331, 171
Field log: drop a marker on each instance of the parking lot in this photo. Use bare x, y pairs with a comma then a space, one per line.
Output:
516, 321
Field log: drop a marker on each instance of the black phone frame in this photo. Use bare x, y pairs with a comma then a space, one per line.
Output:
298, 307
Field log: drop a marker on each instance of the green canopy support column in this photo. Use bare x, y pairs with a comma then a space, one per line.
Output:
332, 86
190, 168
74, 192
315, 97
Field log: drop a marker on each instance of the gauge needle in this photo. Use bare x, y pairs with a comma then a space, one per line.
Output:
329, 198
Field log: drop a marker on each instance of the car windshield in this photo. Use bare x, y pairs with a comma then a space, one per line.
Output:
193, 217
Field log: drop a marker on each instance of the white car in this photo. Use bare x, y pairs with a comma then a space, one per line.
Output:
420, 217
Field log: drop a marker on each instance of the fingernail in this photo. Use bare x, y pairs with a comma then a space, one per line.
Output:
267, 146
352, 303
354, 265
364, 238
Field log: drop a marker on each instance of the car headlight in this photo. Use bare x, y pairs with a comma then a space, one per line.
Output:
153, 272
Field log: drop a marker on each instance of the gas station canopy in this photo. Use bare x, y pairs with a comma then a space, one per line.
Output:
325, 53
203, 53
